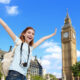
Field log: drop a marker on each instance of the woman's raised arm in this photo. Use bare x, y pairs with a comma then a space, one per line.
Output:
43, 39
12, 35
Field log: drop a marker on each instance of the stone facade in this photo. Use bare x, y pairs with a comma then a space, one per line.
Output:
35, 68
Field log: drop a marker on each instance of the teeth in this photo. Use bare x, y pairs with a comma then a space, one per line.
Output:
29, 38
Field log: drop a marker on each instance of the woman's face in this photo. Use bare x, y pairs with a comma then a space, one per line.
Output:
29, 35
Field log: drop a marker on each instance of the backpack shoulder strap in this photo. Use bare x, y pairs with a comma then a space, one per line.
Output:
18, 42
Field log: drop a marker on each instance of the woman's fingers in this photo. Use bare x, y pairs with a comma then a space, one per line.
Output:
55, 30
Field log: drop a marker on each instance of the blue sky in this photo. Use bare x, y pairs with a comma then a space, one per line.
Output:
44, 16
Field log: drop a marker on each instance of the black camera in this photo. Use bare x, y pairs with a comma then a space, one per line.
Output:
24, 64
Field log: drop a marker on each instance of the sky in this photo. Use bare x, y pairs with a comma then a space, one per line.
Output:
44, 16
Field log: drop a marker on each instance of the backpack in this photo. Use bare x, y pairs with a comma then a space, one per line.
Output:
7, 59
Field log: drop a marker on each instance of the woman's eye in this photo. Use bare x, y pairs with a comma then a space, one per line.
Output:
29, 32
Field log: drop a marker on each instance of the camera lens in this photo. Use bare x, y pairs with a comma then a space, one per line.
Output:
24, 64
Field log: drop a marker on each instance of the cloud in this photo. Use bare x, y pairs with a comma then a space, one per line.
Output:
5, 1
48, 44
12, 10
46, 64
52, 62
53, 56
78, 53
53, 48
58, 75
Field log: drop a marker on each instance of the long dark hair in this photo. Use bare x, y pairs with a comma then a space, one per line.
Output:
23, 38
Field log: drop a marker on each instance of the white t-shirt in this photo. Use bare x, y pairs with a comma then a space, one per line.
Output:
15, 65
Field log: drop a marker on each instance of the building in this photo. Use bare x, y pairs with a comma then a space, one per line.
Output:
35, 68
69, 55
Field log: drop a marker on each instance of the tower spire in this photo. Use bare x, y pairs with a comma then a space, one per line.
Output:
67, 16
67, 19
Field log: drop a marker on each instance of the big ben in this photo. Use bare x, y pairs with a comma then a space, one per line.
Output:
69, 55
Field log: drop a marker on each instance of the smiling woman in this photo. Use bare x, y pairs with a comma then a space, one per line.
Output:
22, 53
28, 35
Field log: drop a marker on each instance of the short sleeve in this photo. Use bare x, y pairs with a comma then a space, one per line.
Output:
16, 40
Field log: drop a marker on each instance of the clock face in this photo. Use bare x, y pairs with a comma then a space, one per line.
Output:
65, 35
74, 35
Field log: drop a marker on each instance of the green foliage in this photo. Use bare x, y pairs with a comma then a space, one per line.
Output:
0, 71
37, 78
52, 77
76, 69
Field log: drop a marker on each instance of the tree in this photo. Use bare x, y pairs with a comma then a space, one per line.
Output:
76, 69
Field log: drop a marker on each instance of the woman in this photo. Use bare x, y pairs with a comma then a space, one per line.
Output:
17, 71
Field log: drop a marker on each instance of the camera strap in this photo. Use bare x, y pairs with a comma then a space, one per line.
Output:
21, 53
28, 53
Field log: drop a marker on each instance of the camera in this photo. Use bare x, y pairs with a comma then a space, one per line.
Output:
24, 64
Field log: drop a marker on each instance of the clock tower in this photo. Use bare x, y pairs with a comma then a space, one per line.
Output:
69, 56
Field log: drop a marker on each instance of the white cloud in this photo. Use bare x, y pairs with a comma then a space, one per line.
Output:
78, 53
48, 44
53, 56
46, 64
58, 75
52, 61
55, 49
13, 10
5, 1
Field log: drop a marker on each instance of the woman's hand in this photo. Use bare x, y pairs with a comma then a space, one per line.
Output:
55, 32
43, 39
